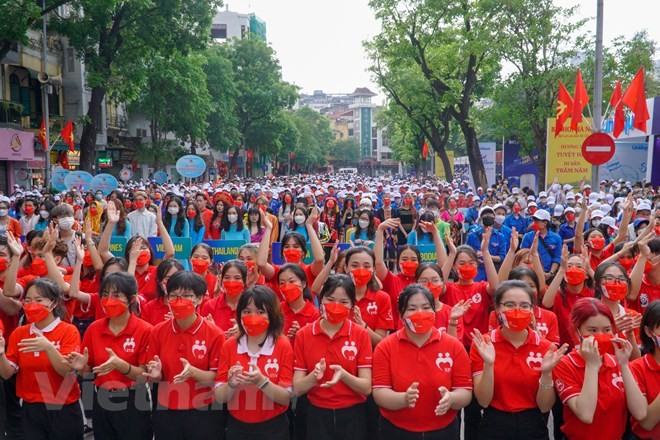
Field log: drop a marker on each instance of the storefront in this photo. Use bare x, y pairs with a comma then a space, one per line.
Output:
16, 151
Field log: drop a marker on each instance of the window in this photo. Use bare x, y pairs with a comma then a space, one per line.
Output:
386, 142
219, 31
243, 31
374, 132
386, 155
350, 132
374, 144
70, 60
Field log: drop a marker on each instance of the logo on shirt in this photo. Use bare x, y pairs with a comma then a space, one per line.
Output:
542, 327
271, 365
349, 350
199, 349
147, 277
56, 344
372, 308
476, 298
643, 300
444, 362
534, 361
129, 345
560, 385
617, 381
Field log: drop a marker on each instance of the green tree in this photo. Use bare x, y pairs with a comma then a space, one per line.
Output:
315, 138
116, 38
222, 132
346, 150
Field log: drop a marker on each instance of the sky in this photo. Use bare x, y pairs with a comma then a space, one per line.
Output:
319, 42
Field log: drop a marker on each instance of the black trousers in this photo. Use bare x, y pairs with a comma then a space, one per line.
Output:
300, 417
524, 425
337, 424
187, 424
388, 431
13, 411
373, 418
276, 428
42, 423
122, 414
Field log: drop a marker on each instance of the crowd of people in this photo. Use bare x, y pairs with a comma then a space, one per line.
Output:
403, 308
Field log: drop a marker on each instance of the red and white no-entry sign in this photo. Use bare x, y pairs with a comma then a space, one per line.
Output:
598, 148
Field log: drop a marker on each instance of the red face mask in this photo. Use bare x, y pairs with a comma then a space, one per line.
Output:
35, 312
387, 202
361, 276
69, 200
38, 267
575, 276
627, 263
192, 215
262, 208
181, 308
452, 205
516, 209
532, 209
536, 226
87, 260
157, 196
128, 204
467, 272
293, 255
255, 325
29, 210
3, 264
287, 199
250, 265
331, 204
200, 266
335, 313
291, 292
138, 204
597, 243
587, 192
656, 231
615, 290
143, 258
233, 287
93, 211
112, 307
89, 199
604, 341
420, 322
435, 289
570, 216
409, 267
516, 320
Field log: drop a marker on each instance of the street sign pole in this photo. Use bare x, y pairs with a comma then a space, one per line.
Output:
598, 85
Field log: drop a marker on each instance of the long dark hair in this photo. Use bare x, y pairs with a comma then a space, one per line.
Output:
265, 299
239, 221
600, 273
650, 320
254, 211
299, 272
197, 221
47, 288
371, 229
180, 218
122, 282
163, 268
217, 213
373, 284
49, 207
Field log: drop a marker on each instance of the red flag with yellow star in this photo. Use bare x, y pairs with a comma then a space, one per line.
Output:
67, 135
42, 135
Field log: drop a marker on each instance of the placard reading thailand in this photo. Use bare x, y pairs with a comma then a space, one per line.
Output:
118, 246
58, 179
563, 158
224, 250
182, 247
106, 183
191, 166
78, 179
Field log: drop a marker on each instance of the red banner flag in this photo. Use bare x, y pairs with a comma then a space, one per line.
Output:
67, 135
63, 159
580, 100
42, 135
635, 100
564, 108
425, 150
617, 104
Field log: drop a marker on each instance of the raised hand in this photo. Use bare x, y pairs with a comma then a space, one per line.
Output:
111, 213
14, 244
515, 239
319, 369
313, 216
134, 253
564, 257
460, 309
552, 357
484, 347
485, 239
80, 249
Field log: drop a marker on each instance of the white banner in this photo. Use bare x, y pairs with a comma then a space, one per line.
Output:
629, 163
488, 155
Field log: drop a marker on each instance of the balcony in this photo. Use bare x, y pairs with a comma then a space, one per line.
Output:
117, 122
11, 112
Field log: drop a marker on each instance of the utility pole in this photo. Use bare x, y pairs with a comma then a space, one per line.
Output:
44, 87
598, 85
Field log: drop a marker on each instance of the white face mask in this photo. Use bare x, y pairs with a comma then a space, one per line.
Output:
364, 224
44, 214
299, 219
66, 223
596, 223
4, 212
499, 219
173, 210
232, 218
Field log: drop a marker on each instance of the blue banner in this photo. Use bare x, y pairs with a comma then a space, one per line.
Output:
81, 180
427, 252
106, 183
182, 247
58, 179
519, 168
191, 166
118, 246
160, 177
224, 250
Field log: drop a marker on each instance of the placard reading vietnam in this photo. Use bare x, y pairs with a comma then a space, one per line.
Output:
564, 159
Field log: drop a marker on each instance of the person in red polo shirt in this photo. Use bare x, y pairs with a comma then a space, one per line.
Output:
421, 375
44, 381
201, 258
648, 290
184, 353
512, 369
297, 308
647, 374
222, 308
333, 366
115, 350
255, 373
595, 382
157, 310
248, 255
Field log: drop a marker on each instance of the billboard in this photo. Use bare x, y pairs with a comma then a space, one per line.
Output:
629, 163
440, 169
519, 168
563, 158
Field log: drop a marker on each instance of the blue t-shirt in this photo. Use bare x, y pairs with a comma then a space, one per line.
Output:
498, 247
552, 254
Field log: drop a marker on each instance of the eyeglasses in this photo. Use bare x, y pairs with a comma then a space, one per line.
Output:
173, 297
611, 278
115, 295
509, 305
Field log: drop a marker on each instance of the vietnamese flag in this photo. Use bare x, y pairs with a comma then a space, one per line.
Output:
580, 100
63, 159
67, 135
425, 150
617, 104
635, 100
564, 108
42, 135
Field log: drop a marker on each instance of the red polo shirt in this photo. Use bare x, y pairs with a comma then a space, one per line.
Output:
200, 344
562, 309
307, 315
154, 311
647, 374
477, 314
274, 284
350, 347
130, 345
393, 285
9, 323
211, 281
611, 412
516, 372
376, 310
221, 313
546, 324
275, 360
648, 293
440, 362
147, 282
36, 380
595, 260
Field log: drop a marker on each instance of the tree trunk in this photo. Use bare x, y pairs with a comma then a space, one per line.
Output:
193, 147
232, 163
474, 154
438, 142
88, 138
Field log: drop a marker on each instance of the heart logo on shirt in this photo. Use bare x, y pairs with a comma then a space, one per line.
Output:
349, 350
